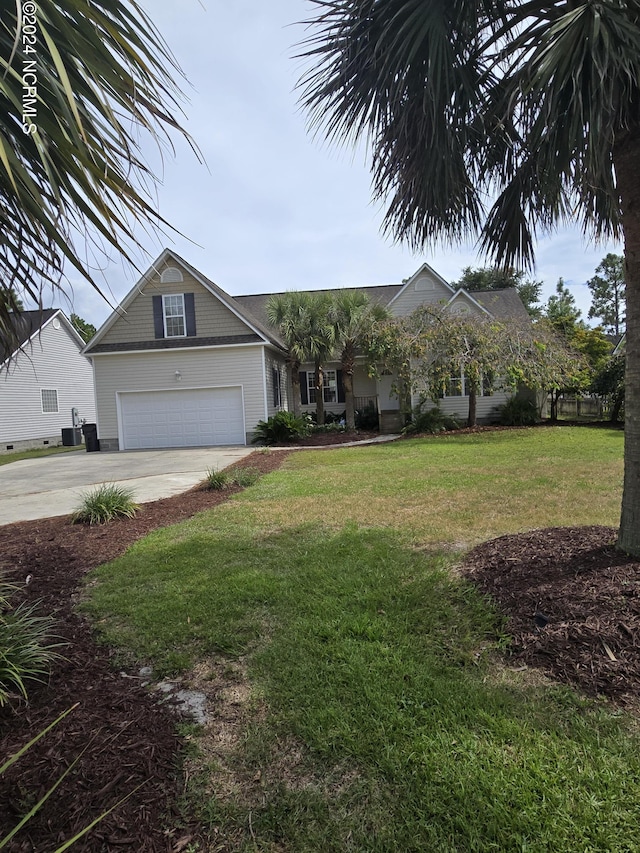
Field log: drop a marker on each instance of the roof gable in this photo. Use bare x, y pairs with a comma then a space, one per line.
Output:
131, 324
29, 324
424, 287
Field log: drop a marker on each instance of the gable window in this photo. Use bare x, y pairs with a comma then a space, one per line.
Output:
171, 275
174, 316
49, 397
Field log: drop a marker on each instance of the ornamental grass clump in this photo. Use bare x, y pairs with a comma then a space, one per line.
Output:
105, 503
216, 480
245, 477
26, 651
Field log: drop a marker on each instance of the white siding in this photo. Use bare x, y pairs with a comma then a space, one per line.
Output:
459, 406
51, 361
156, 371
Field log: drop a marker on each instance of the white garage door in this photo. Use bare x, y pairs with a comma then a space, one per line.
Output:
193, 417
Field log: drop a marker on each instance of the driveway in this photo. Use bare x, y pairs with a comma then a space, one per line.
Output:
54, 485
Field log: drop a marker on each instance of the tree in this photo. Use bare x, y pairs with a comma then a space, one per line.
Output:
608, 293
84, 329
433, 345
496, 278
320, 343
561, 311
288, 313
9, 301
609, 384
354, 317
85, 81
531, 104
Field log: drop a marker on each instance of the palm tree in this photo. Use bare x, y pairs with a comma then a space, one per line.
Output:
354, 317
320, 344
81, 84
303, 322
289, 314
529, 103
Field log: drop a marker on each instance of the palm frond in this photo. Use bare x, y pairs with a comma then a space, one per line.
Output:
104, 77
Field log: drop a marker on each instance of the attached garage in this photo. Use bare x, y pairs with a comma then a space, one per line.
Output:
189, 417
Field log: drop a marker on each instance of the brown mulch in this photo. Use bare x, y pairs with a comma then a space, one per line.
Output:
586, 593
572, 603
130, 739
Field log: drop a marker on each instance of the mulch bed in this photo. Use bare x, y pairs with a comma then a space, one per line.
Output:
586, 593
572, 603
130, 739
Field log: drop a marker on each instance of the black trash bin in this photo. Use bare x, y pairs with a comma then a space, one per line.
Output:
71, 437
90, 432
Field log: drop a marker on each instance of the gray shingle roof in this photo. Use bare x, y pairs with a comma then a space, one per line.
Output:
25, 324
502, 304
256, 304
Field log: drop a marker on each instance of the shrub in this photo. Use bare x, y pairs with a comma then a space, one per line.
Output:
332, 426
25, 649
433, 421
105, 503
367, 417
517, 412
283, 426
216, 480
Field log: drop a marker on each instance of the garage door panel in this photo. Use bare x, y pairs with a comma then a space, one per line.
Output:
182, 418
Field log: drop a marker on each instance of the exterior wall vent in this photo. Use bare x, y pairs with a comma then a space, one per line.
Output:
171, 275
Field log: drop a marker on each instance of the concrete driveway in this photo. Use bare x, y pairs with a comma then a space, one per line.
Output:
54, 485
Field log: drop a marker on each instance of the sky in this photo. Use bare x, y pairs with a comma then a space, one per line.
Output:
274, 208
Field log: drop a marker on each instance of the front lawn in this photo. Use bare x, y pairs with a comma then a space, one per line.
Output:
360, 698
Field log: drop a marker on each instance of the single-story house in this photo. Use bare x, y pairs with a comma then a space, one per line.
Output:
46, 385
182, 363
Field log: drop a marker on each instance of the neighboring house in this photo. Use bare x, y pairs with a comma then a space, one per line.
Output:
43, 381
181, 363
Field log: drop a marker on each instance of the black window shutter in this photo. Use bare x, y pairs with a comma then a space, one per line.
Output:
190, 314
158, 319
340, 386
275, 380
304, 390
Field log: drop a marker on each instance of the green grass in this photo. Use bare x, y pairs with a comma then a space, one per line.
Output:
381, 717
7, 458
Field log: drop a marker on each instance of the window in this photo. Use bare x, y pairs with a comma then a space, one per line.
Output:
174, 316
458, 386
276, 378
330, 386
49, 400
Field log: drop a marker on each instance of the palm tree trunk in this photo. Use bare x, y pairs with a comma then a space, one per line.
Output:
294, 368
627, 164
319, 395
348, 367
349, 403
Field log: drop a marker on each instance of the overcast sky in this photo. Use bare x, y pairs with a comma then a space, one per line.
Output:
273, 208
